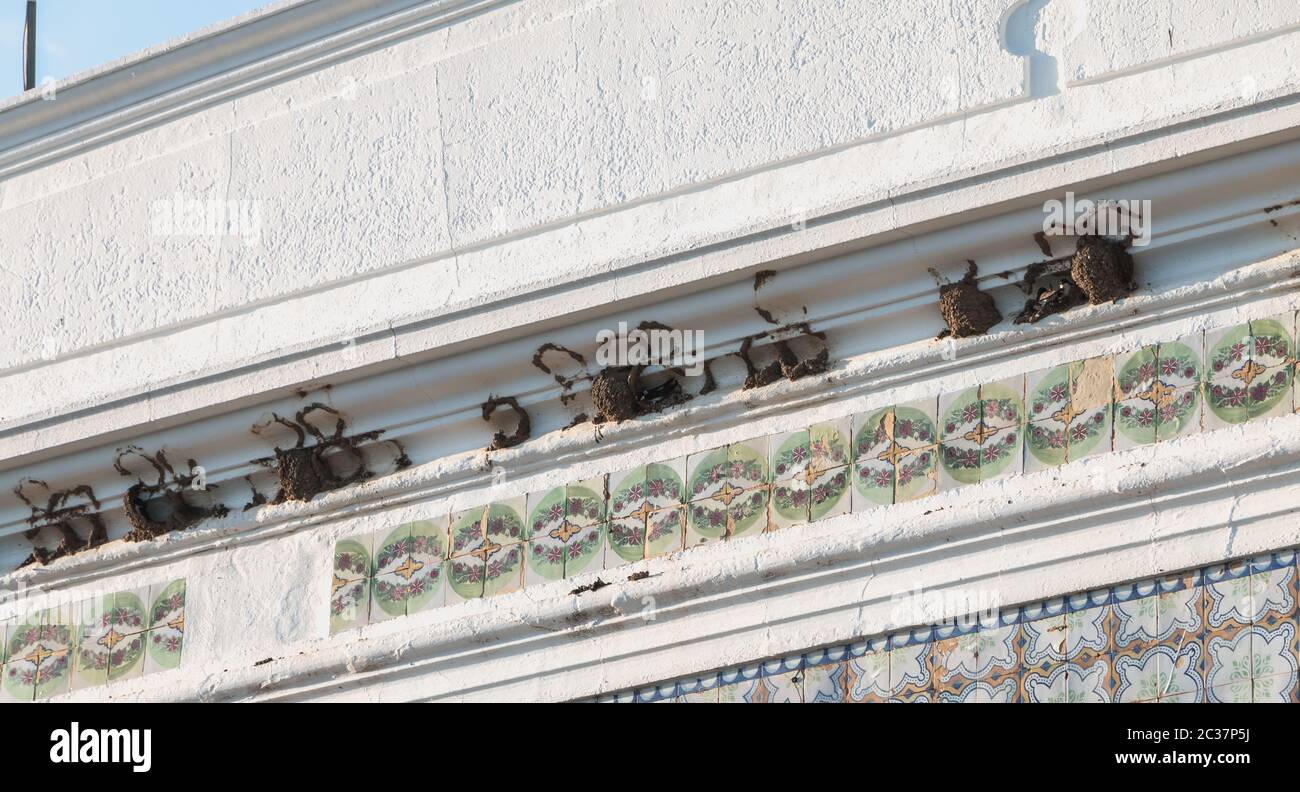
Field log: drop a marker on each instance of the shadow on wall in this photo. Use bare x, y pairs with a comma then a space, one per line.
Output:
1019, 37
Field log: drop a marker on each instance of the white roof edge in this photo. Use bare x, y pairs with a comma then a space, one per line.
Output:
186, 68
142, 56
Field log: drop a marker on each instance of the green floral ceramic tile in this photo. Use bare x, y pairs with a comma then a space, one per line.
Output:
125, 640
350, 584
408, 568
664, 531
1180, 414
1257, 393
166, 604
585, 502
90, 656
708, 474
126, 659
829, 443
1135, 373
1273, 341
634, 494
1052, 411
565, 522
627, 492
584, 551
874, 453
748, 512
165, 640
546, 513
1003, 453
544, 561
467, 532
31, 646
393, 569
960, 458
1090, 432
733, 484
504, 569
665, 483
1227, 353
1048, 392
960, 413
791, 454
625, 540
789, 506
1002, 403
971, 422
829, 494
916, 474
1135, 423
54, 676
130, 615
1271, 394
706, 521
914, 424
1179, 362
748, 463
506, 521
1047, 444
465, 575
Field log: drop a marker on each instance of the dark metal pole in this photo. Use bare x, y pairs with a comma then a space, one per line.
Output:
29, 47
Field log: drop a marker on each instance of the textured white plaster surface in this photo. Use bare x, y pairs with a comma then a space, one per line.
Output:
1100, 37
464, 156
433, 209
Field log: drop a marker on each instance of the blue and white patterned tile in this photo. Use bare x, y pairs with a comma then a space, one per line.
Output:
1047, 687
867, 671
824, 683
1090, 625
783, 688
1227, 666
1005, 690
1159, 672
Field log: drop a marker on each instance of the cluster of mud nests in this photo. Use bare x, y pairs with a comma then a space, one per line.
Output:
1101, 270
305, 471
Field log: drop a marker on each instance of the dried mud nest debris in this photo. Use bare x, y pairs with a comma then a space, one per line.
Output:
788, 365
57, 514
305, 471
523, 428
1102, 269
162, 507
967, 310
1099, 271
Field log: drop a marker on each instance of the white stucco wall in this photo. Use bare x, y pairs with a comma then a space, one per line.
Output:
439, 194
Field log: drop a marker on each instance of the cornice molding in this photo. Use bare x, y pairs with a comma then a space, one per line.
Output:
1098, 522
465, 479
874, 332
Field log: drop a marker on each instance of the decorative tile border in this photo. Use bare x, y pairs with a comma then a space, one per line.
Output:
883, 456
93, 642
1223, 633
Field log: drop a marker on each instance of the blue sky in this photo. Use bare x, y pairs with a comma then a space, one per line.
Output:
75, 35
